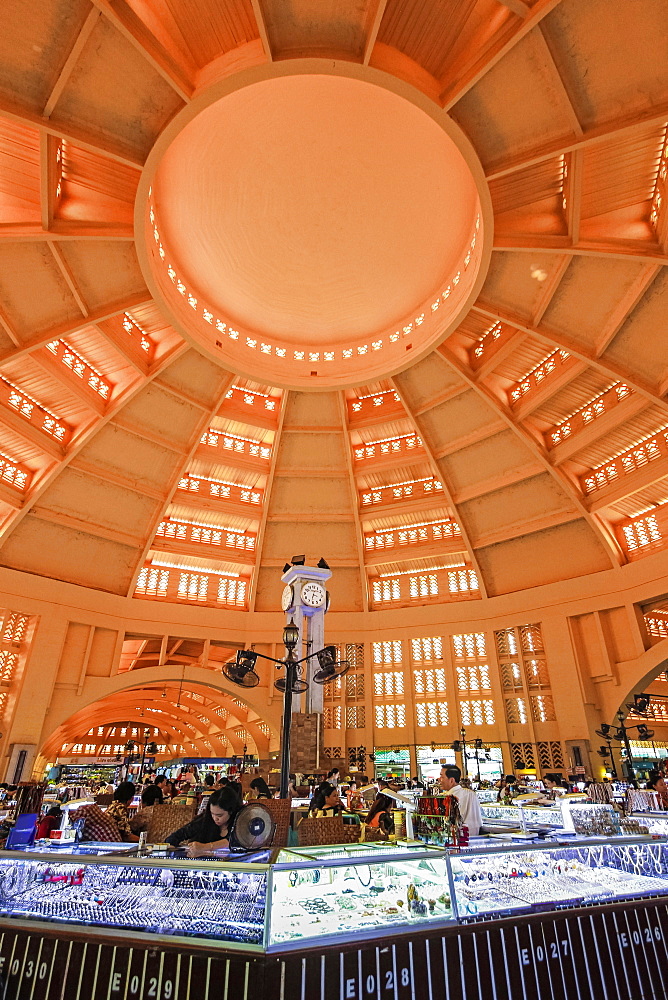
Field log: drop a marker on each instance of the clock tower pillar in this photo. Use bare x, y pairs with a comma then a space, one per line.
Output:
305, 599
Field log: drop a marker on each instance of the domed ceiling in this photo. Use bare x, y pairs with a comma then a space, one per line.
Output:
382, 281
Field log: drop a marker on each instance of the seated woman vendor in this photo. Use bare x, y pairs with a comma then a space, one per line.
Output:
326, 801
210, 830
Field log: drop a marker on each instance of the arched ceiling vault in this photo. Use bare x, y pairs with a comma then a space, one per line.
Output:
513, 452
201, 717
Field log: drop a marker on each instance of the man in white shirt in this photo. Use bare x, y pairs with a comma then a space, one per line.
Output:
469, 803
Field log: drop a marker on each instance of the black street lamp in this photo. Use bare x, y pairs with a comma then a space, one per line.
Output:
621, 734
607, 754
459, 746
242, 672
478, 745
148, 747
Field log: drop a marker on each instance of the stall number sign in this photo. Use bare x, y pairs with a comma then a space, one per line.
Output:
590, 954
597, 953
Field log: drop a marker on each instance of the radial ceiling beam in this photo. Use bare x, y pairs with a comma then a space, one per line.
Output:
73, 133
618, 128
66, 329
563, 375
68, 276
550, 288
540, 455
573, 194
71, 61
557, 339
262, 28
446, 494
202, 425
469, 72
165, 63
354, 499
374, 16
264, 514
48, 177
552, 68
625, 307
30, 431
8, 328
608, 422
83, 439
518, 7
626, 486
69, 381
11, 497
508, 344
62, 231
617, 249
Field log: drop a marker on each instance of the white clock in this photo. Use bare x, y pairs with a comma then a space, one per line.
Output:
313, 594
287, 597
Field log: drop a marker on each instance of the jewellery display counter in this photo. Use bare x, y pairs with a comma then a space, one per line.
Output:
487, 795
353, 922
654, 823
519, 817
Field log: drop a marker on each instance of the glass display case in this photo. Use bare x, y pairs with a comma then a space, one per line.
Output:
519, 817
166, 897
487, 794
502, 881
293, 899
654, 823
371, 889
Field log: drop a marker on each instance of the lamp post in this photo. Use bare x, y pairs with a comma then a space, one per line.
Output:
242, 672
290, 640
607, 754
478, 745
459, 746
148, 747
621, 734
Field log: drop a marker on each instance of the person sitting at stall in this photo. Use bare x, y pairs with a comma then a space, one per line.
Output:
212, 829
50, 821
155, 792
140, 822
554, 787
206, 792
656, 783
118, 810
380, 814
507, 788
469, 803
95, 825
236, 787
354, 798
259, 789
160, 781
333, 777
326, 801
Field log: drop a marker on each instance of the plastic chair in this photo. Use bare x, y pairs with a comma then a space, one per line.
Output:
22, 834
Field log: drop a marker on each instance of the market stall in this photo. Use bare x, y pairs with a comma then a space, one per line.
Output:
345, 923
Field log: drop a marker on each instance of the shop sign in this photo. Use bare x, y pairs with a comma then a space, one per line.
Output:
69, 761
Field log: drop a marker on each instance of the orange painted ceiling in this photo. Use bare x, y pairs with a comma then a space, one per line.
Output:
515, 447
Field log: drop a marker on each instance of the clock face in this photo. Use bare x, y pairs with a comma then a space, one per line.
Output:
313, 594
287, 597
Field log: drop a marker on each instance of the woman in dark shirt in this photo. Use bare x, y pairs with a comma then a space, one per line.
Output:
211, 829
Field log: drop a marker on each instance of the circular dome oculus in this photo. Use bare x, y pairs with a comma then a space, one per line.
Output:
312, 228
